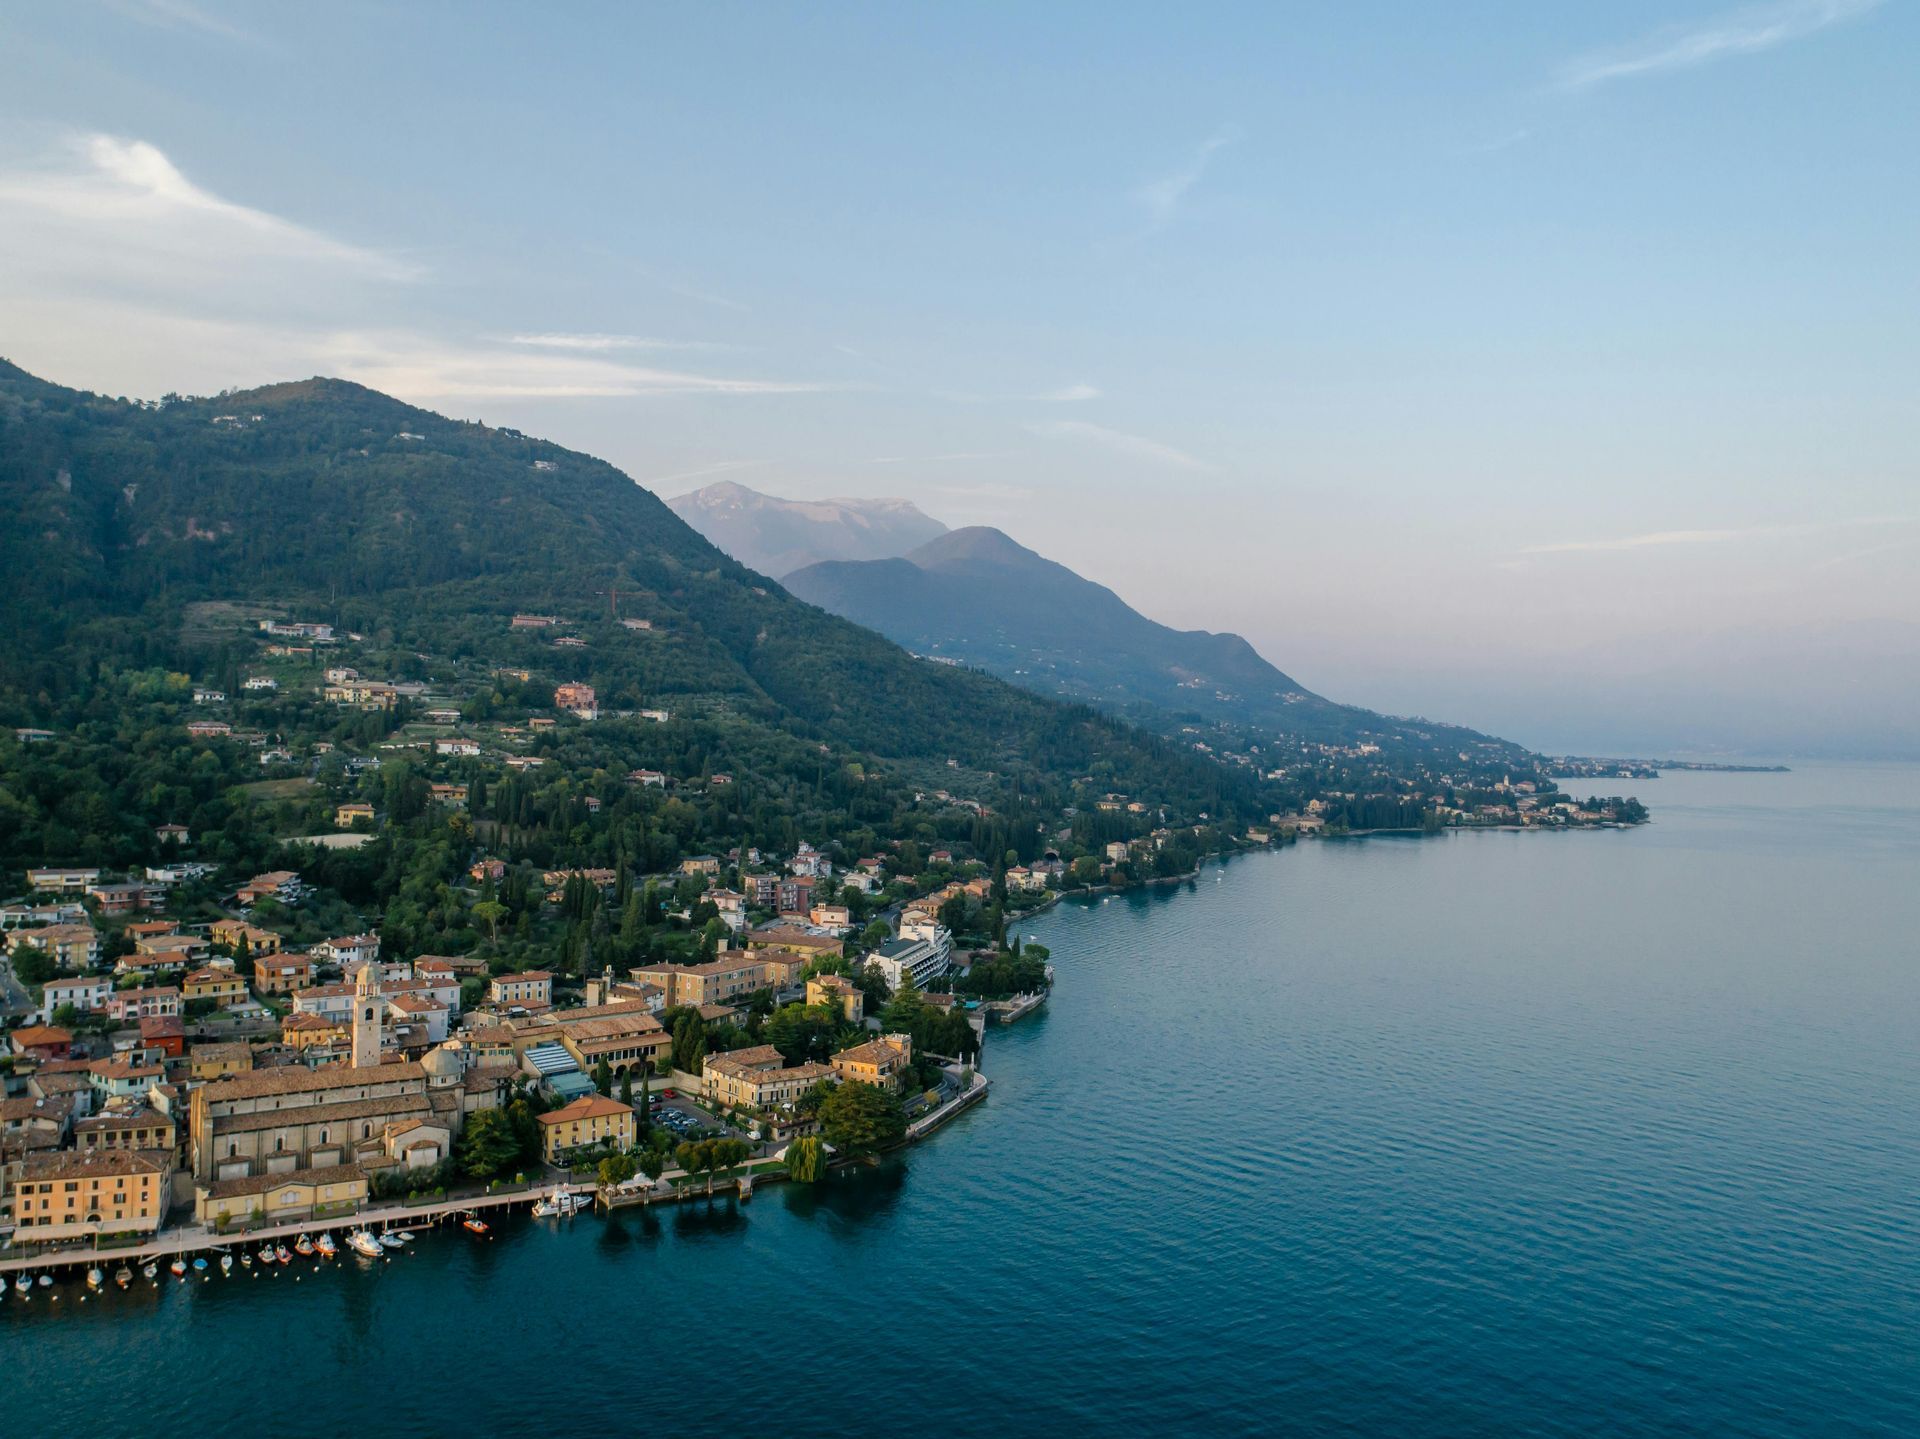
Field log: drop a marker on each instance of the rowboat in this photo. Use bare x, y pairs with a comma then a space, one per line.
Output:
178, 1269
23, 1284
474, 1224
150, 1271
246, 1259
303, 1245
391, 1241
226, 1264
266, 1254
123, 1276
281, 1252
199, 1262
46, 1281
95, 1278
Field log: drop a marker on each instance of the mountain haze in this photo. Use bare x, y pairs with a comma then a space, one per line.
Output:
977, 597
776, 536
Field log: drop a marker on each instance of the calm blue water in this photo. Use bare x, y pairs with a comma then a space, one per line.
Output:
1484, 1135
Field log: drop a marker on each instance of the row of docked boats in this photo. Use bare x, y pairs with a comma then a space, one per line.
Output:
364, 1242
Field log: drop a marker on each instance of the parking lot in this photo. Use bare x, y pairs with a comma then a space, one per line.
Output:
685, 1121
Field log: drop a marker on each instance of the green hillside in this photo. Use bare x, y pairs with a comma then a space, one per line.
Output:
151, 539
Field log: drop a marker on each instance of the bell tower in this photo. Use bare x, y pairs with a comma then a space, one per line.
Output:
368, 1008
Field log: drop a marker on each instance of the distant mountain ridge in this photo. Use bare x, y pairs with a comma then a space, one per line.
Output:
777, 536
978, 597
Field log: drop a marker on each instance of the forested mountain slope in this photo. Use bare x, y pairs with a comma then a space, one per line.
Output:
154, 538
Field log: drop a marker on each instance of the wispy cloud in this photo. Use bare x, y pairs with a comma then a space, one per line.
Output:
1740, 32
1161, 197
947, 458
118, 271
178, 15
1133, 447
421, 368
1657, 539
1060, 395
602, 344
105, 192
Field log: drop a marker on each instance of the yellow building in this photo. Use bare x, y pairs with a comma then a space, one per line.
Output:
590, 1119
218, 985
210, 1061
878, 1061
843, 994
230, 932
758, 1078
299, 1195
731, 975
76, 1194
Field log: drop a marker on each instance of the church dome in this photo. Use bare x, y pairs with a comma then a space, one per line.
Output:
443, 1061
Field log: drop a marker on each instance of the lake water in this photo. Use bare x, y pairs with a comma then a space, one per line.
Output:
1602, 1134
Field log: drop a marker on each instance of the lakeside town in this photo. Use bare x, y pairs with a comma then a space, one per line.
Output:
489, 961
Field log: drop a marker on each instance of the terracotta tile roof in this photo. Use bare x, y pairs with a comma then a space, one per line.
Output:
587, 1106
91, 1164
264, 1083
406, 1104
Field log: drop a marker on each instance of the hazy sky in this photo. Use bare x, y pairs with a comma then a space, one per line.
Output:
1453, 353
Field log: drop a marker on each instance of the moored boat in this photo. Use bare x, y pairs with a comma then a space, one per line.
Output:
473, 1223
123, 1276
324, 1246
96, 1278
283, 1254
266, 1254
363, 1243
178, 1269
23, 1284
150, 1271
46, 1281
226, 1263
303, 1245
389, 1241
246, 1259
199, 1262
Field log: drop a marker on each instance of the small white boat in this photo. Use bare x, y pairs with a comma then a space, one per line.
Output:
390, 1241
559, 1204
403, 1236
46, 1281
226, 1264
123, 1276
246, 1259
266, 1254
363, 1243
96, 1278
150, 1271
324, 1246
303, 1245
23, 1284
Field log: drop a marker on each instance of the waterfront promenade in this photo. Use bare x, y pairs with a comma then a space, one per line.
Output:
197, 1238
